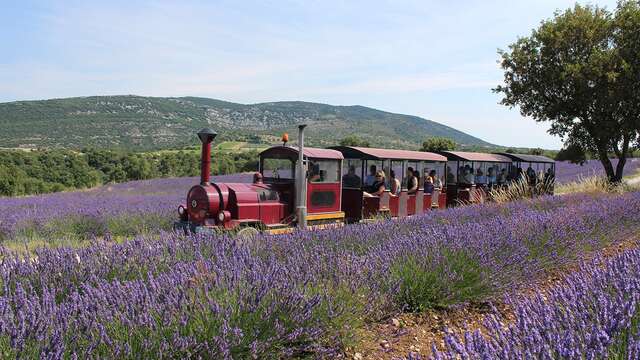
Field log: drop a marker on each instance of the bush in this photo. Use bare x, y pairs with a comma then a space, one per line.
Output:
427, 283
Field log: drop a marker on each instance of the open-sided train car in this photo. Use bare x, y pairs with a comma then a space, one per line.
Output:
471, 175
362, 163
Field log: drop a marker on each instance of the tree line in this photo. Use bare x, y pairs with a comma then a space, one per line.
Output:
44, 171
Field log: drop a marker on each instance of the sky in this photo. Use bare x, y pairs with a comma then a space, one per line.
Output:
433, 59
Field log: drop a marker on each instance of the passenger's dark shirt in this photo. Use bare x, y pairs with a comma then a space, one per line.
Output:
351, 181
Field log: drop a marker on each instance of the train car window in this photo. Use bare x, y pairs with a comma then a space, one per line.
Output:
413, 165
323, 198
428, 168
278, 168
323, 171
480, 173
352, 170
453, 172
371, 167
268, 195
397, 166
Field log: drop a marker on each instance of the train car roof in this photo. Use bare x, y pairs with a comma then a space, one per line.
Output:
309, 152
355, 152
474, 156
528, 158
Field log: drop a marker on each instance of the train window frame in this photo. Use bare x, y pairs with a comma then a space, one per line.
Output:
263, 162
331, 169
357, 164
379, 164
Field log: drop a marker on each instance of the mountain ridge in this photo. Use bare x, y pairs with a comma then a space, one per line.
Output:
149, 123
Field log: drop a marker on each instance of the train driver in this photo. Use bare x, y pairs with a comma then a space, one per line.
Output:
350, 179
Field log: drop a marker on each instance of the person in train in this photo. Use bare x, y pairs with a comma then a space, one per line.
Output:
377, 188
531, 175
394, 183
314, 172
549, 176
350, 179
430, 182
412, 181
371, 178
480, 179
503, 177
468, 177
492, 179
451, 178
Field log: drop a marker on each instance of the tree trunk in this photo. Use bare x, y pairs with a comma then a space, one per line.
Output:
620, 168
622, 157
603, 156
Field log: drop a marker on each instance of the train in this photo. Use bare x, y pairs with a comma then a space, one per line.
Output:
306, 187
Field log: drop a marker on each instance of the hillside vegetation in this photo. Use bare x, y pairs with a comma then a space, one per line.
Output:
147, 123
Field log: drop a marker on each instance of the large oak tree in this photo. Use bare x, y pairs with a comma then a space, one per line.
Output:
580, 71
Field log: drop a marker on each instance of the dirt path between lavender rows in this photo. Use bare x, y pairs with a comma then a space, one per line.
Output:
417, 332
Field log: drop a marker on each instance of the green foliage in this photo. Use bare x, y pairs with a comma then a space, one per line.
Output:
43, 171
353, 140
148, 123
427, 283
573, 153
579, 71
436, 144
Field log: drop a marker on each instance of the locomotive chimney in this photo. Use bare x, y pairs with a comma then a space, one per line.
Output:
301, 193
206, 136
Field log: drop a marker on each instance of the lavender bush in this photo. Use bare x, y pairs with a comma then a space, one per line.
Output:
593, 314
302, 294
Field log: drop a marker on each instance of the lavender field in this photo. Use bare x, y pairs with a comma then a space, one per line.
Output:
141, 207
568, 172
593, 314
306, 294
125, 209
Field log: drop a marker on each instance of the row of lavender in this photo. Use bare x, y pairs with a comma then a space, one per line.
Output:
593, 314
296, 295
567, 172
122, 209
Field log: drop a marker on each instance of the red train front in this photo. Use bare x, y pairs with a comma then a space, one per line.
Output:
271, 203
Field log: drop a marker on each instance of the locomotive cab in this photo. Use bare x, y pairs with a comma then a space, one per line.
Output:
272, 201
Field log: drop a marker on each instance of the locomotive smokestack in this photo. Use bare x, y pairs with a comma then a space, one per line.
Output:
301, 193
206, 136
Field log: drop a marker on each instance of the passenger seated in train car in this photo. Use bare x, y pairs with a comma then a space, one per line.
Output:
503, 177
377, 188
480, 179
492, 179
394, 183
314, 172
350, 179
430, 182
451, 178
412, 181
371, 178
531, 175
549, 176
467, 177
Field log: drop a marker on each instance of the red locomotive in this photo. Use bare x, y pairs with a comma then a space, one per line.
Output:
298, 186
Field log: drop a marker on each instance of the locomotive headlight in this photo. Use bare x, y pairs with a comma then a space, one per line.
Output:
221, 216
181, 210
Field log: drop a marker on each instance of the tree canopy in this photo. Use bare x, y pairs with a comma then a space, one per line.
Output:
579, 71
435, 144
353, 140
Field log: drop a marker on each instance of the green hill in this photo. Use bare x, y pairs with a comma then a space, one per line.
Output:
148, 123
